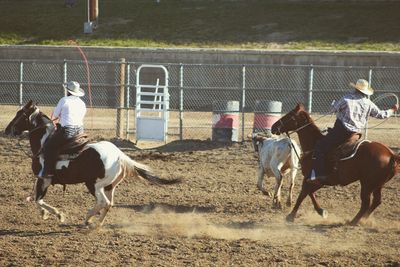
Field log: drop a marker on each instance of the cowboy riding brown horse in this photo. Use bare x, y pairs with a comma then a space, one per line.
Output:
373, 164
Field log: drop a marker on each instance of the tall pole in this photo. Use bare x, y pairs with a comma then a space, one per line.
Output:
120, 109
92, 16
310, 88
94, 12
243, 98
181, 102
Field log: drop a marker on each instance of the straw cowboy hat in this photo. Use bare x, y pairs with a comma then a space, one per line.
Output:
363, 86
74, 89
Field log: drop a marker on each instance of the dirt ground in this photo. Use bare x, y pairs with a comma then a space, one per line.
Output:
215, 217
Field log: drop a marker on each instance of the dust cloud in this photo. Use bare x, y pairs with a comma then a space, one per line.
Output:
308, 232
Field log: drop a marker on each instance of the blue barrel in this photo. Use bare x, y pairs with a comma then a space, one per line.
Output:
266, 113
225, 121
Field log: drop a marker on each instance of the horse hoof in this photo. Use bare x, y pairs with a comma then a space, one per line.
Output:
266, 193
290, 218
93, 226
352, 223
277, 207
323, 213
61, 217
45, 214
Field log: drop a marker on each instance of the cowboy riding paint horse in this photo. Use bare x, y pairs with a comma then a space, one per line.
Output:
373, 164
101, 166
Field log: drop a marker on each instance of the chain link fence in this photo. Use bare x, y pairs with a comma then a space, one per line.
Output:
111, 93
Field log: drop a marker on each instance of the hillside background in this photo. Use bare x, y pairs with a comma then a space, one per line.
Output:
248, 24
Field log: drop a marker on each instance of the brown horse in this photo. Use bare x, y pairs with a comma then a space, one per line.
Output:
373, 165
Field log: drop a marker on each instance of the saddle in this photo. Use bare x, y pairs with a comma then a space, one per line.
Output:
73, 147
347, 148
344, 151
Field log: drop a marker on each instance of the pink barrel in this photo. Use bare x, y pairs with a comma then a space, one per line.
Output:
225, 121
266, 113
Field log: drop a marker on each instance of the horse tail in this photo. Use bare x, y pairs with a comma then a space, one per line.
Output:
394, 164
138, 169
395, 161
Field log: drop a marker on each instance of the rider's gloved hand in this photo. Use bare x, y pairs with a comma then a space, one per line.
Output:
395, 107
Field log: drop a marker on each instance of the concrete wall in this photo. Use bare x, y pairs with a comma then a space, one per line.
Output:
204, 56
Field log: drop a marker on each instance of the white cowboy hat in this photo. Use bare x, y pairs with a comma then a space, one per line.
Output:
74, 88
363, 86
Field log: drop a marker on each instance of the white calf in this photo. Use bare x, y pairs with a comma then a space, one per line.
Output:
276, 157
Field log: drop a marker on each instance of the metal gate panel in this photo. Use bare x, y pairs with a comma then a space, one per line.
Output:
152, 103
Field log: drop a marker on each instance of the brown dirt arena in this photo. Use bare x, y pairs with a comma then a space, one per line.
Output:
216, 217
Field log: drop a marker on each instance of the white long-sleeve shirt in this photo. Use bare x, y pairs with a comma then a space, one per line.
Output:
354, 108
70, 110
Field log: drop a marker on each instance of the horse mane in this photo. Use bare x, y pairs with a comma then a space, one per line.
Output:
310, 120
46, 120
44, 116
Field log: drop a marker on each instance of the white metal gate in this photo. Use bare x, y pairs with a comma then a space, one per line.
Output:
152, 103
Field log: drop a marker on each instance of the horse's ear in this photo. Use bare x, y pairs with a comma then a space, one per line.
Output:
299, 107
28, 104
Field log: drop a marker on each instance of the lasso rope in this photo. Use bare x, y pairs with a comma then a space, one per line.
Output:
89, 84
379, 98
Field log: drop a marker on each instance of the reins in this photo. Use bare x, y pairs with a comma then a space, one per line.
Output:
294, 148
298, 129
40, 126
23, 150
33, 156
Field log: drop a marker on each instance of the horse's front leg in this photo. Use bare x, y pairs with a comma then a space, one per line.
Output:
40, 188
306, 189
293, 173
290, 217
322, 212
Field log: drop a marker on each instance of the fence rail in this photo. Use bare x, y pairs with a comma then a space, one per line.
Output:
192, 89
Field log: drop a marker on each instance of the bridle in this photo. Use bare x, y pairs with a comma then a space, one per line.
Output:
292, 117
33, 125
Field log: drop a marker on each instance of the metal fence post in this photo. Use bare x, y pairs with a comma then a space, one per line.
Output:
21, 80
65, 75
128, 96
121, 98
243, 98
370, 82
310, 88
181, 102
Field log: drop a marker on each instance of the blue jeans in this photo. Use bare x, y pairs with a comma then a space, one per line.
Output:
335, 137
54, 142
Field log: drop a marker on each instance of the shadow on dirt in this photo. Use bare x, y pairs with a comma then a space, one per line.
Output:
148, 208
194, 145
322, 228
175, 146
15, 232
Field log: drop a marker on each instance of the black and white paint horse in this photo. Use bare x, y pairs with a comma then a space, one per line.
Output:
101, 166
